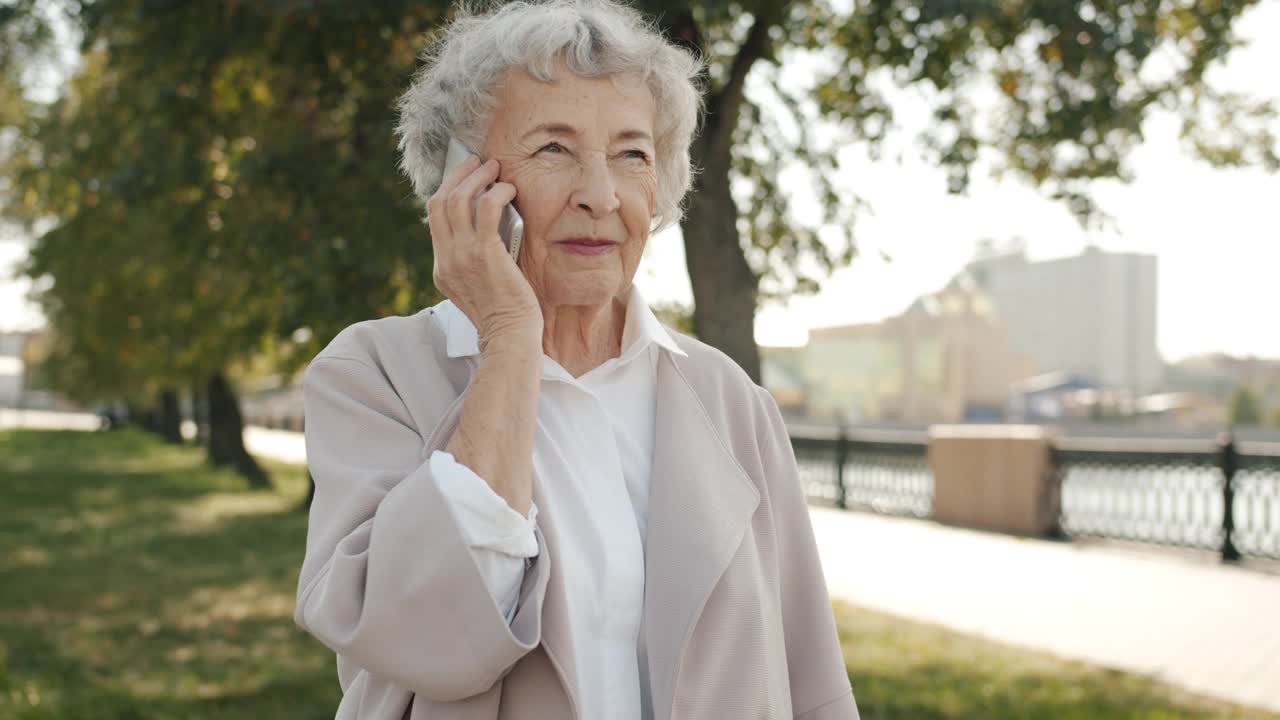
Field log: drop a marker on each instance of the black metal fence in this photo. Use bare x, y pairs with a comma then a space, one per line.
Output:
880, 470
1219, 495
1252, 470
1166, 493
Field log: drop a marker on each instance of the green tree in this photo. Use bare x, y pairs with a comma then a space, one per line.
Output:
247, 148
1245, 408
26, 40
223, 179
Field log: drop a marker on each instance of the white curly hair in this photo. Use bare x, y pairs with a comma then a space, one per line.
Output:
454, 92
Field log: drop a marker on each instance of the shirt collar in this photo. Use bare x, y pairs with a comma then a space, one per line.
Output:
640, 329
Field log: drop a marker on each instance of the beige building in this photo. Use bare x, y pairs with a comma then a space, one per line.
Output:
1182, 410
782, 372
946, 359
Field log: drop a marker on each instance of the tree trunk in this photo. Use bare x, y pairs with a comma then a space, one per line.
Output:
142, 416
724, 286
224, 423
226, 433
170, 417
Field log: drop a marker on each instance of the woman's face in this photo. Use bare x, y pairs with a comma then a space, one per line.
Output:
580, 153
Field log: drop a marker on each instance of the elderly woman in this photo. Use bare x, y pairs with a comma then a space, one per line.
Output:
532, 499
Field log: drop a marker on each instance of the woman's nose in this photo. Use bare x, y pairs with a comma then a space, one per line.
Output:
596, 192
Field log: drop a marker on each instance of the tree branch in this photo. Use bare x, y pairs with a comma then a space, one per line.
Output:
723, 106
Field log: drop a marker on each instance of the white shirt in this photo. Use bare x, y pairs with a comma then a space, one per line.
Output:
592, 454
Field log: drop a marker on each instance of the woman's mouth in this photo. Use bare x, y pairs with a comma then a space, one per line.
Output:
588, 246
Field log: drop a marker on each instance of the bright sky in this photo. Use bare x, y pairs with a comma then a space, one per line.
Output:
1215, 232
15, 312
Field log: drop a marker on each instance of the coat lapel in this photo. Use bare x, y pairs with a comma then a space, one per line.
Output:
700, 506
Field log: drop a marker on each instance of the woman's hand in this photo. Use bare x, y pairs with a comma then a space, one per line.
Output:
494, 437
472, 266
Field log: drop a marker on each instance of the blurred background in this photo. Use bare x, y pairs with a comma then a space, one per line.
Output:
1007, 267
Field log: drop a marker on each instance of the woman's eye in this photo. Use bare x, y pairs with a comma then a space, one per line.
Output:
637, 154
549, 146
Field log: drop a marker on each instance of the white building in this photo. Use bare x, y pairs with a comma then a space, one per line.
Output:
11, 369
1093, 314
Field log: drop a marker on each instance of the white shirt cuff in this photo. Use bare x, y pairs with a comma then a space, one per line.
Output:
500, 540
486, 519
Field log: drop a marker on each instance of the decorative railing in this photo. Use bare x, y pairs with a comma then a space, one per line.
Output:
1160, 492
1254, 472
1211, 494
880, 470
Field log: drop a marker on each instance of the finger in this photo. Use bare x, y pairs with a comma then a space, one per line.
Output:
438, 224
438, 204
490, 210
462, 199
458, 172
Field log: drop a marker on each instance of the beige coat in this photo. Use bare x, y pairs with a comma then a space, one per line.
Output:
737, 615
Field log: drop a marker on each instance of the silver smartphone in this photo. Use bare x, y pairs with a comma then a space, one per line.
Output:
510, 224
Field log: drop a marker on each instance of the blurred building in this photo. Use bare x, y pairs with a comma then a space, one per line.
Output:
273, 405
947, 358
1183, 411
1065, 398
11, 367
1051, 397
1218, 374
1092, 315
782, 372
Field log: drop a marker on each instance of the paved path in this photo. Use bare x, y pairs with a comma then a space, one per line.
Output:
279, 445
48, 420
275, 444
1210, 628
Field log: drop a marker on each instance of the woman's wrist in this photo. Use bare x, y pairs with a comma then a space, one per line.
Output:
494, 437
518, 344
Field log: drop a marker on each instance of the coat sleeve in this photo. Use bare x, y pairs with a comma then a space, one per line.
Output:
820, 687
388, 581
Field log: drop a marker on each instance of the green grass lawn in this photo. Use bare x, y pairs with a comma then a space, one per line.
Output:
136, 583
